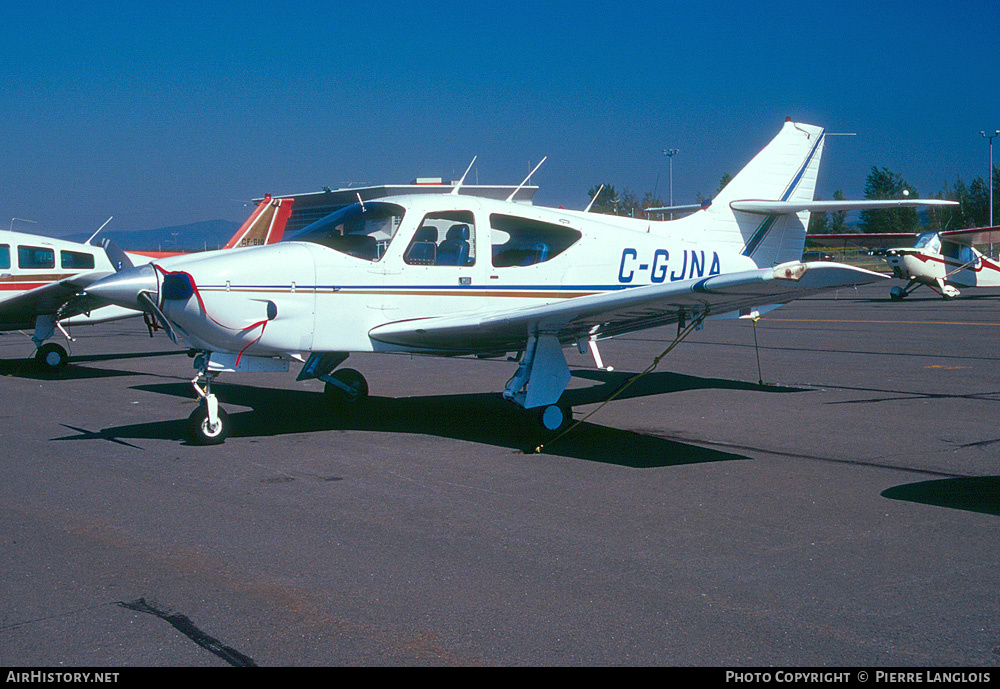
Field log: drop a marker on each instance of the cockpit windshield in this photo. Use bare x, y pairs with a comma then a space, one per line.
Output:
362, 230
930, 241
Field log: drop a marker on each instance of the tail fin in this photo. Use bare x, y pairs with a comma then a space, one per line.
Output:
785, 170
266, 224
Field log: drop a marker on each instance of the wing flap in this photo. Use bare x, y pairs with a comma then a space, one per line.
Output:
615, 313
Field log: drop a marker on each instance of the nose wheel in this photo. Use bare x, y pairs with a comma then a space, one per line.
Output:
203, 431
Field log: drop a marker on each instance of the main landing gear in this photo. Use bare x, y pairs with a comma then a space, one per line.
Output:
543, 365
945, 290
51, 357
555, 417
344, 388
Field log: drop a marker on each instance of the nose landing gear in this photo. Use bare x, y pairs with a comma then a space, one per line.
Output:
208, 423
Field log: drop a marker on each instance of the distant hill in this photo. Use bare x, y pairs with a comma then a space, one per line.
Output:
208, 234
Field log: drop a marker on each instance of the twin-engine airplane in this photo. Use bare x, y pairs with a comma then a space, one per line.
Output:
452, 274
40, 275
943, 261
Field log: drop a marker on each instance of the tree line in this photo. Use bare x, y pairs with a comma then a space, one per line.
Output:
973, 209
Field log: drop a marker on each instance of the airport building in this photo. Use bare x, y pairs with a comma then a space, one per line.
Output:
311, 206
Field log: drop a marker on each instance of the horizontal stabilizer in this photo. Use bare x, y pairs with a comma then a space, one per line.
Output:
765, 207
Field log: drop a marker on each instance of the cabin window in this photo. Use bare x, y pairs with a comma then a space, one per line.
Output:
523, 242
35, 257
76, 260
4, 256
362, 230
958, 252
446, 238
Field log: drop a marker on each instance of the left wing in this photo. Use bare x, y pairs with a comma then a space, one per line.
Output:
614, 313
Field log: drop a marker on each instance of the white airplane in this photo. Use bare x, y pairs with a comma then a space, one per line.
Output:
451, 275
39, 275
943, 261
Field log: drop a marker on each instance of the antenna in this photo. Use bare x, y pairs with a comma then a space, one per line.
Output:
455, 190
358, 194
22, 220
98, 230
511, 197
587, 209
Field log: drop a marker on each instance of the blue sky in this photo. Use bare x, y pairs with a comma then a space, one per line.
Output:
169, 113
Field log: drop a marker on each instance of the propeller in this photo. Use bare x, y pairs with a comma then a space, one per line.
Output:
119, 259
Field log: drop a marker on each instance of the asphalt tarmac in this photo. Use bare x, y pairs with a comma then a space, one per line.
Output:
829, 497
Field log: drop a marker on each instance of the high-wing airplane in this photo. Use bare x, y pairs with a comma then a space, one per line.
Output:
455, 275
40, 276
943, 261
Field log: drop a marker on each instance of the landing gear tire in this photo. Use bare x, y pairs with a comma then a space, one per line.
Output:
555, 417
897, 293
51, 357
337, 397
202, 432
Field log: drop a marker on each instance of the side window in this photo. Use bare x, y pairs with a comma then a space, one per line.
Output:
524, 242
35, 257
76, 260
4, 256
447, 238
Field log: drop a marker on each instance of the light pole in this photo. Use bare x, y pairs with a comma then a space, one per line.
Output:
990, 137
670, 153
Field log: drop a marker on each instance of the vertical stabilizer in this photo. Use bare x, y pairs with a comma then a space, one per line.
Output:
785, 170
266, 225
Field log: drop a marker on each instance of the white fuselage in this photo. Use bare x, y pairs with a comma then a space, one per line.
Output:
323, 299
970, 269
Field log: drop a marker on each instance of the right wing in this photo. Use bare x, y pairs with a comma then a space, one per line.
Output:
608, 314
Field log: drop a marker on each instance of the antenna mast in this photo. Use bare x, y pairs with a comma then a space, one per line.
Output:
455, 190
511, 197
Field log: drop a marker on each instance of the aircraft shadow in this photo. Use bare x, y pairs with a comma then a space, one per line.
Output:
28, 369
654, 384
482, 418
974, 494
